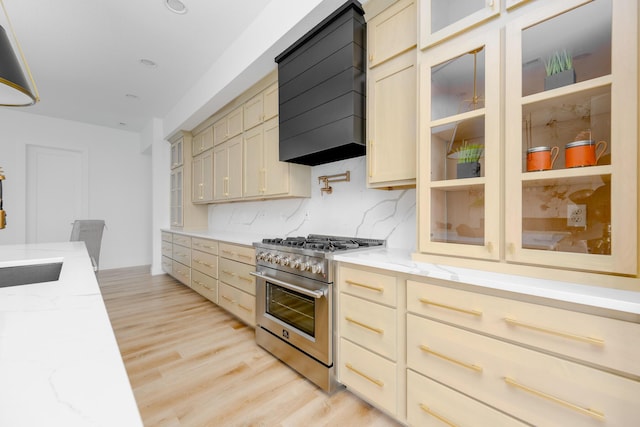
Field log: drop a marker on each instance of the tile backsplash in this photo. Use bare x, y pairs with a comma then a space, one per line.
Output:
351, 210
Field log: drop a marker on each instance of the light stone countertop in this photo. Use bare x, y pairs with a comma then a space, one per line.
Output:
59, 361
246, 239
398, 260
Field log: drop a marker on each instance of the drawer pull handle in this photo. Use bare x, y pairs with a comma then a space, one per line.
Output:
364, 325
450, 307
590, 340
439, 417
230, 273
228, 299
451, 359
246, 279
197, 282
362, 285
363, 375
245, 256
228, 252
587, 411
203, 263
245, 308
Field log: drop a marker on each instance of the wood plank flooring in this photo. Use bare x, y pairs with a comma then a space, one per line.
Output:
191, 364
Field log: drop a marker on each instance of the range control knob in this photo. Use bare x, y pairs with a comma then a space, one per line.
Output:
296, 263
304, 266
277, 259
316, 268
260, 256
269, 257
285, 261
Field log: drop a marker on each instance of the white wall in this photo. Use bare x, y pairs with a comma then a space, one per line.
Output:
119, 181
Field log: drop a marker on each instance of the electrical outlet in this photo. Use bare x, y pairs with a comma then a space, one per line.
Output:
577, 216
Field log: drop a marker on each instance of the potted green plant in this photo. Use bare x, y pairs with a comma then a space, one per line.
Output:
560, 71
468, 156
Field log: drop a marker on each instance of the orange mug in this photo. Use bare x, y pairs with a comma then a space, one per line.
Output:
583, 153
541, 158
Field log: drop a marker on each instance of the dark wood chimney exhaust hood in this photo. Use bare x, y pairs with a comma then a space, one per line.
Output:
322, 89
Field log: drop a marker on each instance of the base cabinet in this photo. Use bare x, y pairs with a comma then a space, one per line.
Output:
218, 271
455, 355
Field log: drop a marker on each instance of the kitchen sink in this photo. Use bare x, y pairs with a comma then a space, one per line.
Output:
17, 275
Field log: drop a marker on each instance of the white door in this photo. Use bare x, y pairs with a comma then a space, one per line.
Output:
57, 192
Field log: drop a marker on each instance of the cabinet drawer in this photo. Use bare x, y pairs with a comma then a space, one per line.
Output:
205, 245
238, 253
430, 404
535, 387
167, 249
237, 302
181, 272
206, 286
366, 284
166, 236
371, 325
205, 263
181, 254
368, 374
167, 264
237, 274
179, 239
600, 340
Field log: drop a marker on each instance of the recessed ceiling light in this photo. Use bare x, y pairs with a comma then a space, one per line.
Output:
148, 63
176, 6
131, 96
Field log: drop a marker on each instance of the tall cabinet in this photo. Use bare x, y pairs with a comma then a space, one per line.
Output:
528, 147
182, 212
391, 93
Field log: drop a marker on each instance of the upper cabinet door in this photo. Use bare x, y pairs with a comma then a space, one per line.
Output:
392, 32
572, 136
253, 111
271, 102
441, 19
459, 152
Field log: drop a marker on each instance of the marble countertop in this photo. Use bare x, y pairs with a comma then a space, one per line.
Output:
59, 360
221, 236
400, 261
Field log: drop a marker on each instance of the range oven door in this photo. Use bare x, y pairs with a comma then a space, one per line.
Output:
296, 310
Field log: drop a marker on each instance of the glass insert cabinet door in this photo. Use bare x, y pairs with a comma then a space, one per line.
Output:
459, 113
571, 136
441, 19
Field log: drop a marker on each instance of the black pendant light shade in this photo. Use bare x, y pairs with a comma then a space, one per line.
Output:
14, 86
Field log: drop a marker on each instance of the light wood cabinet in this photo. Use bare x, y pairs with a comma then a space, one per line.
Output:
236, 287
202, 141
431, 404
227, 170
182, 212
535, 387
228, 126
578, 213
371, 337
202, 182
391, 96
192, 261
569, 213
507, 359
264, 174
442, 19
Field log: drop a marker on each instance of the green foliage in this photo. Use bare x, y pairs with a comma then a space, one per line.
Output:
558, 62
470, 153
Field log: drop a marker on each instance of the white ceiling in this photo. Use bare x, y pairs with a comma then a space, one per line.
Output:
85, 54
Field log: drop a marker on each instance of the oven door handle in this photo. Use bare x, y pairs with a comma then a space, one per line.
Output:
304, 291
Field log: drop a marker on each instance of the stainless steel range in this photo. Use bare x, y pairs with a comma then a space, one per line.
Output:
294, 301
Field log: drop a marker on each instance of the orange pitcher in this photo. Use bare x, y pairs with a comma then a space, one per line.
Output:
541, 158
583, 153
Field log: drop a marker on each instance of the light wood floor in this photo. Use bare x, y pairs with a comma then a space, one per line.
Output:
191, 364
